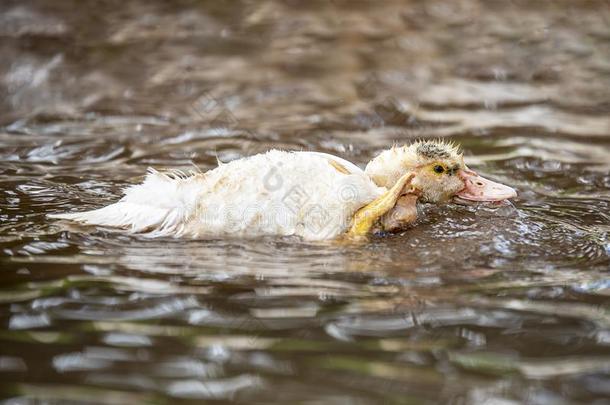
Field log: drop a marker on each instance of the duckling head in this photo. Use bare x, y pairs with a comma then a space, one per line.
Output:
440, 173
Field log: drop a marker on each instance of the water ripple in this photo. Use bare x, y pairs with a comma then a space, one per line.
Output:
474, 304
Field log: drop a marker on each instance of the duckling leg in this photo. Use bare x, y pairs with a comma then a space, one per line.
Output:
365, 217
403, 213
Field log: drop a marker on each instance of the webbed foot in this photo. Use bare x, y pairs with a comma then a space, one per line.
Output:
365, 217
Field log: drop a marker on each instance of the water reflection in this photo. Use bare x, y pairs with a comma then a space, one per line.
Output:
473, 304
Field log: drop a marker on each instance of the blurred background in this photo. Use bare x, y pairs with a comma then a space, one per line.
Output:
475, 304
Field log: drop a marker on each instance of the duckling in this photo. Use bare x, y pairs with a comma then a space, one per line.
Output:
314, 195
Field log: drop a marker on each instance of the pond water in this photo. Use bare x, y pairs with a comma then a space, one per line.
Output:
505, 304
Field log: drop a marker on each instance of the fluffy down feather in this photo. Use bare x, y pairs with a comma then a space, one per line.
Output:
308, 194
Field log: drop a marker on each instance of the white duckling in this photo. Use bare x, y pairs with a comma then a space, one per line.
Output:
313, 195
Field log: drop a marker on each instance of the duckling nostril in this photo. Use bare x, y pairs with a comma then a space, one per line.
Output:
479, 183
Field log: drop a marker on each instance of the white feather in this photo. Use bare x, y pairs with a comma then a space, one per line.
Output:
276, 193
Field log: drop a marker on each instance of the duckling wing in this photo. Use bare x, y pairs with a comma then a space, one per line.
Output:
307, 194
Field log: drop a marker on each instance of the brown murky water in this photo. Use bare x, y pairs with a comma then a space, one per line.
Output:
474, 304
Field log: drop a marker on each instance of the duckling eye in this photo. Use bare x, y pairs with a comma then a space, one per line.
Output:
439, 169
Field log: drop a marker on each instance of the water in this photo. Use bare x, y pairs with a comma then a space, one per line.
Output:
503, 304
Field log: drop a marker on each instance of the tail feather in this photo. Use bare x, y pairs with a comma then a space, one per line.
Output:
124, 215
160, 206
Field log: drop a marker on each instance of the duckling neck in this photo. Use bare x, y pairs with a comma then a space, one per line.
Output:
390, 165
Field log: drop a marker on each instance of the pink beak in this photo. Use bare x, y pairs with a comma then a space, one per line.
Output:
477, 188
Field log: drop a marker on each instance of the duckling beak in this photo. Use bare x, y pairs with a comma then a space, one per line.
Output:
477, 188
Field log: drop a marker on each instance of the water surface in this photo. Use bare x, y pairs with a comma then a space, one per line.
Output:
476, 303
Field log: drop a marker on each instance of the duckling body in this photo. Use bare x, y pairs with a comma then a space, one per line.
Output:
313, 195
307, 194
